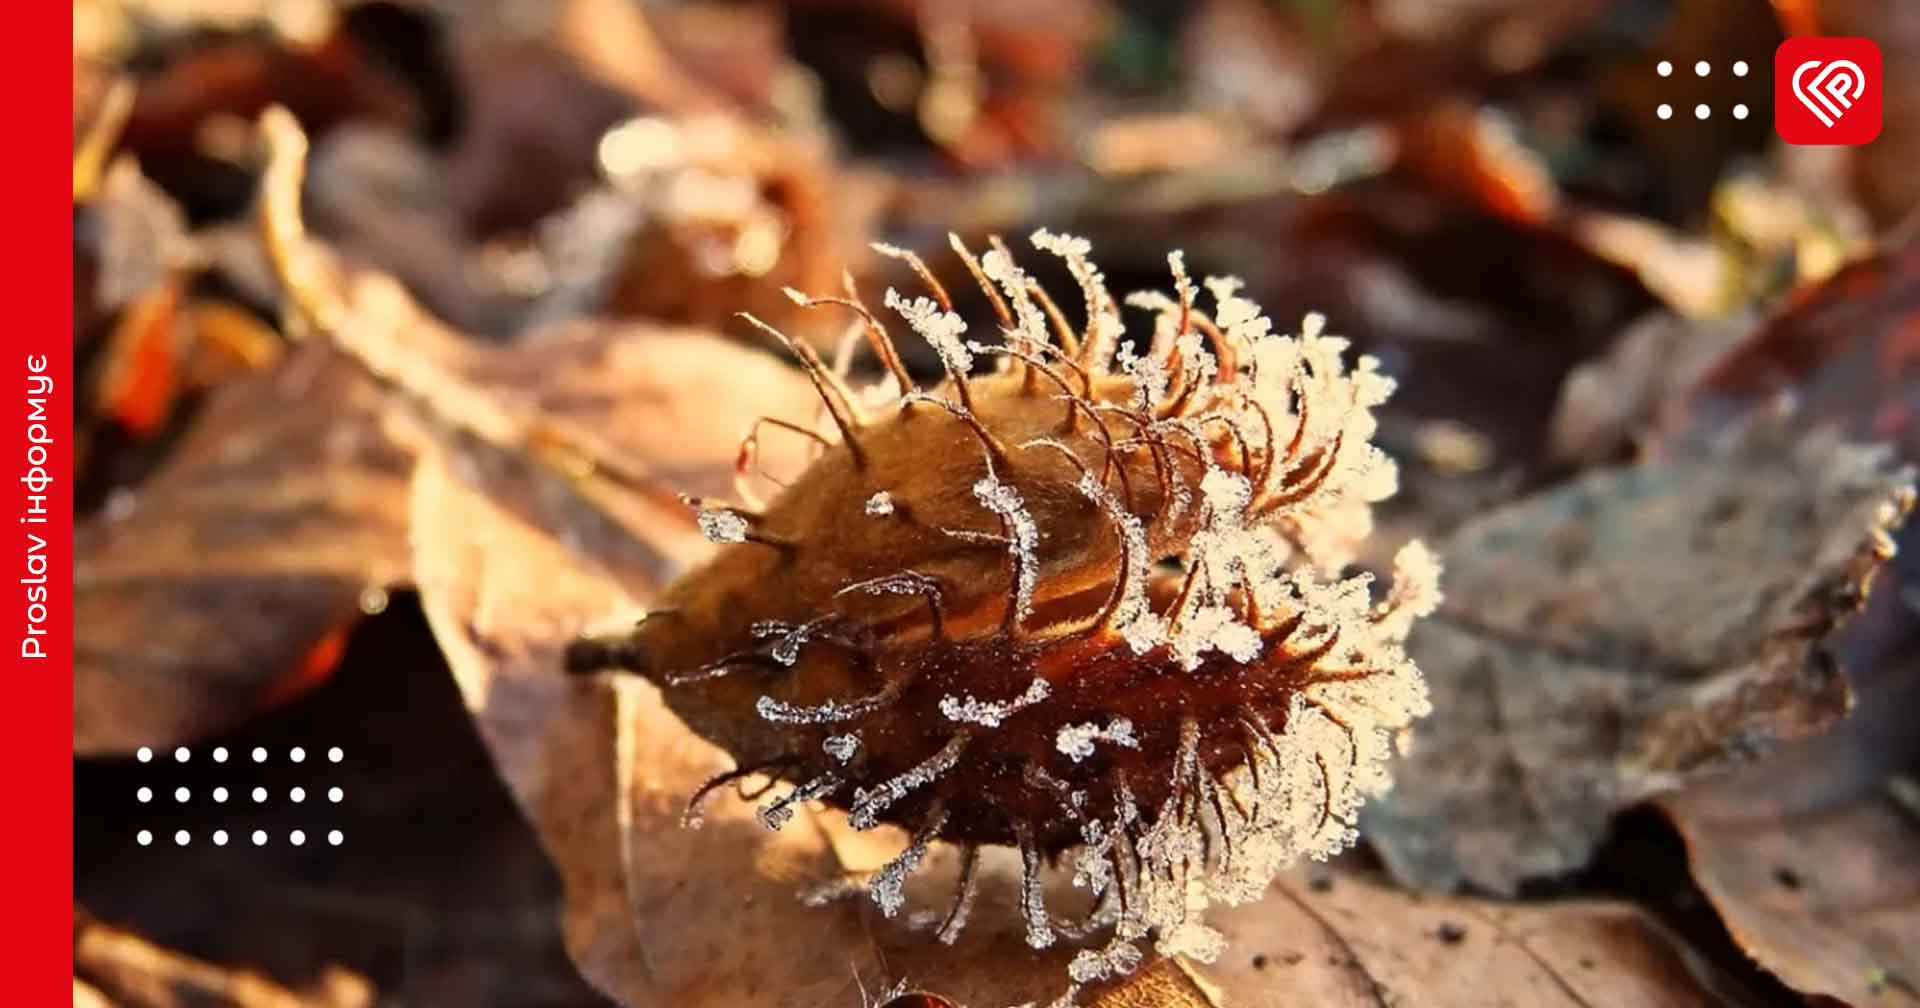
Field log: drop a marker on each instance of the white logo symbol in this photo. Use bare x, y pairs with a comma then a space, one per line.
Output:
1832, 91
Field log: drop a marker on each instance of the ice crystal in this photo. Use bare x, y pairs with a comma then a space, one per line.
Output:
721, 525
989, 714
792, 638
942, 330
869, 803
775, 814
880, 504
782, 712
1076, 741
1118, 958
841, 747
889, 882
1023, 540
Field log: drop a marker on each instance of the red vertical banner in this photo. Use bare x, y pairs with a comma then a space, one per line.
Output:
36, 374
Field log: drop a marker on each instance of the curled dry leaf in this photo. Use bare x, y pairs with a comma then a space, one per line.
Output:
217, 587
1609, 640
1826, 899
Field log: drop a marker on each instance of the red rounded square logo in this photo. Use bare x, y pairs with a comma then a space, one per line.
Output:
1826, 90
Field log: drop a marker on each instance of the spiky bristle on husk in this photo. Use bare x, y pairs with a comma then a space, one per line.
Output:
1083, 600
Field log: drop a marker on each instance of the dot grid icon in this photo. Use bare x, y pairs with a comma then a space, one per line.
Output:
293, 795
1702, 69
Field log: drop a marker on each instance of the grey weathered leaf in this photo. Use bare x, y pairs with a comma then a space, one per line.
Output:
1608, 640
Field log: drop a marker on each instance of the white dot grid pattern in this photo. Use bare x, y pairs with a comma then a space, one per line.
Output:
183, 754
1702, 111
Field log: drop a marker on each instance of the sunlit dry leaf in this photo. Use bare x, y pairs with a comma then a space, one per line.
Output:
1347, 938
1826, 899
1606, 641
701, 217
136, 973
199, 594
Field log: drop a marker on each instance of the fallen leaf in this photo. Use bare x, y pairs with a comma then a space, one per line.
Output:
1847, 348
1827, 899
1607, 403
1611, 639
197, 592
136, 973
1351, 938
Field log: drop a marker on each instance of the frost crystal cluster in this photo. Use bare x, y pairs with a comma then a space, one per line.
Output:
1088, 596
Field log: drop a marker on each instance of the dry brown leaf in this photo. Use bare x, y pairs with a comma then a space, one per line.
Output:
1611, 639
198, 596
1827, 899
136, 973
1351, 939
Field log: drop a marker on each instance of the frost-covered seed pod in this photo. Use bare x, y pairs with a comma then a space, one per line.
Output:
1087, 600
